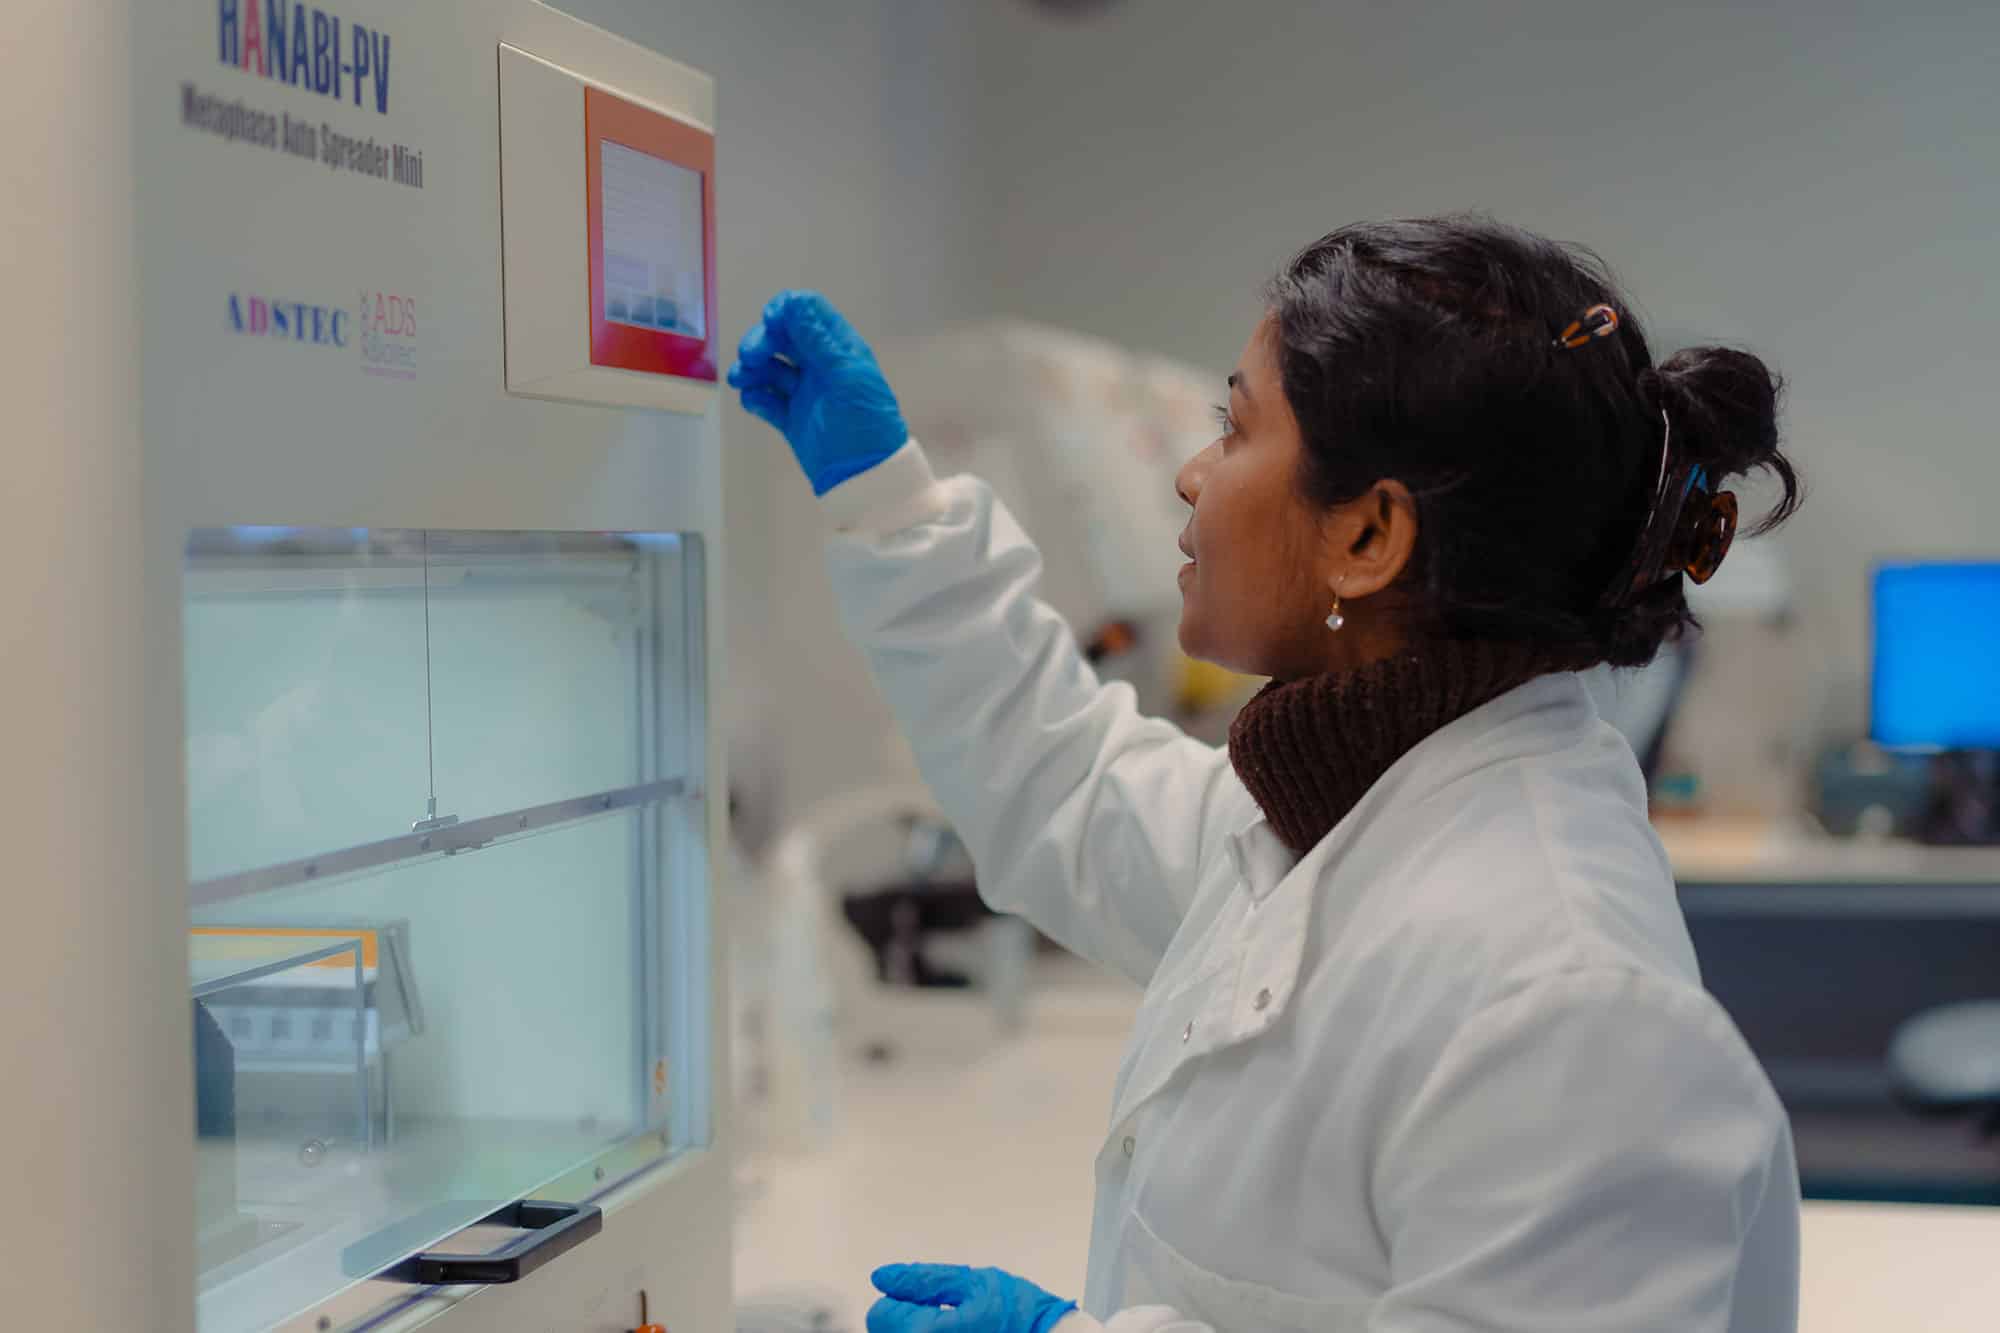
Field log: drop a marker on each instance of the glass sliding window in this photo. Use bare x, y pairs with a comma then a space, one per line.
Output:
448, 883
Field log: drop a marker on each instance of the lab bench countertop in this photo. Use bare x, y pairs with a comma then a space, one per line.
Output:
1731, 850
1913, 1268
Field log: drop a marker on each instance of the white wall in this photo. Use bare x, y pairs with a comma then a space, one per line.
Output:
1817, 180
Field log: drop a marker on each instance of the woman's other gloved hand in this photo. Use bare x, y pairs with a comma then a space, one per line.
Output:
951, 1298
804, 369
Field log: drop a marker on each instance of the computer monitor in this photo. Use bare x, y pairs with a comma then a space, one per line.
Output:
1937, 656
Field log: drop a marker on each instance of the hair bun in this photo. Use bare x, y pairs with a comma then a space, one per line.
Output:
1723, 406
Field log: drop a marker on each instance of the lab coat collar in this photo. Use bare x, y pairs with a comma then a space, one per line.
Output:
1243, 981
1261, 858
1547, 713
1542, 714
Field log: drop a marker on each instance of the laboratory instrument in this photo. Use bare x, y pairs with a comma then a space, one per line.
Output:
384, 503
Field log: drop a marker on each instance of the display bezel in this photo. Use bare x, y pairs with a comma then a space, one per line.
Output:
608, 118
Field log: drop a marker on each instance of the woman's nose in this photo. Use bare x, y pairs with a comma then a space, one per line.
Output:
1188, 481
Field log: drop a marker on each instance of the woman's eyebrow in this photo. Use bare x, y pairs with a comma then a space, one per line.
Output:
1239, 382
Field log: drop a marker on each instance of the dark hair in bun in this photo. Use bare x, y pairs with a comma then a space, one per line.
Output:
1428, 352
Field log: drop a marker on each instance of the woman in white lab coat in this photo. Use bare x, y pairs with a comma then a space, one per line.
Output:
1423, 1047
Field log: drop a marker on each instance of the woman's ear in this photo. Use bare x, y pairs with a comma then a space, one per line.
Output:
1371, 539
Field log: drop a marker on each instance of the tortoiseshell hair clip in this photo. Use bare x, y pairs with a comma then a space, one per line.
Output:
1600, 321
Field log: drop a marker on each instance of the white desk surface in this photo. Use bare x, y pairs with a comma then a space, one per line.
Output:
1899, 1268
1758, 851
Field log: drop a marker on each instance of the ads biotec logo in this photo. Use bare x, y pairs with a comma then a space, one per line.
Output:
304, 46
293, 321
388, 334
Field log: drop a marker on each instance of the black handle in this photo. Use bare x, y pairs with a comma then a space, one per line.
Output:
553, 1229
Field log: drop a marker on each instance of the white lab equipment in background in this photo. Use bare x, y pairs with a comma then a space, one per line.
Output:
1082, 439
819, 1001
1725, 714
1758, 698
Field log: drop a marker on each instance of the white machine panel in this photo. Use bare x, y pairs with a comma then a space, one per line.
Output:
415, 629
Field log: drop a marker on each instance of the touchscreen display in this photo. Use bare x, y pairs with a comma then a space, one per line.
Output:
652, 243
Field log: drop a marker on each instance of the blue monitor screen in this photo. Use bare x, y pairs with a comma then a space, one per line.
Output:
1937, 656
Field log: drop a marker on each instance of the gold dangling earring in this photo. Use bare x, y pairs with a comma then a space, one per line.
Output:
1336, 619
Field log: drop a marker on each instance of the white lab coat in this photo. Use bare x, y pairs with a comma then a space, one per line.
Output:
1453, 1070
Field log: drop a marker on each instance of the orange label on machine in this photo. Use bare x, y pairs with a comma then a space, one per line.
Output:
370, 940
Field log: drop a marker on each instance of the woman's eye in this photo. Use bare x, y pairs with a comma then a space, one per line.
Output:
1225, 420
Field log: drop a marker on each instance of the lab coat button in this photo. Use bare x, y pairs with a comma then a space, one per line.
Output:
1186, 1032
1130, 1144
1263, 1000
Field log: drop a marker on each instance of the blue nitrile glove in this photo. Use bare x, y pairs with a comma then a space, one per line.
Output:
804, 369
915, 1298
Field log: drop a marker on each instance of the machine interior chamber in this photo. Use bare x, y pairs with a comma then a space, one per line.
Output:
448, 937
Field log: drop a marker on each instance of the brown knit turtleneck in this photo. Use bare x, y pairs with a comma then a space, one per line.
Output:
1309, 749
